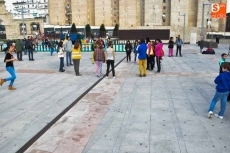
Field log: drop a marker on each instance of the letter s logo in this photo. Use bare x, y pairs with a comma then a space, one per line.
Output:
215, 8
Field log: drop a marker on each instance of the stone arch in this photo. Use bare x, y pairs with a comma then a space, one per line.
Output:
35, 27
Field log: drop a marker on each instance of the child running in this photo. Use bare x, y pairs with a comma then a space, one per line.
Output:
222, 91
9, 60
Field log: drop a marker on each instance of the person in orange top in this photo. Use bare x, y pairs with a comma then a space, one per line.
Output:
150, 55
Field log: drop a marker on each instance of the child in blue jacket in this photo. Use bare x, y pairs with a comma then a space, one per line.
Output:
222, 91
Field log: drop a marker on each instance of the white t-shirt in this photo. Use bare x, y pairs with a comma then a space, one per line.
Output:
109, 53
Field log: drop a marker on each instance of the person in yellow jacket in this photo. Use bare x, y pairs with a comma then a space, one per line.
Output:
93, 46
76, 56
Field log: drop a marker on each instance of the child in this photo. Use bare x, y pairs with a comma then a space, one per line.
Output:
222, 91
99, 58
223, 59
170, 46
61, 55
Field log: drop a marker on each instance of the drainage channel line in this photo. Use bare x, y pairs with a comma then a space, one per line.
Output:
51, 123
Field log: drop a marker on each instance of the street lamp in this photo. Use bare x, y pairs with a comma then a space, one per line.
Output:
184, 26
22, 12
202, 25
84, 30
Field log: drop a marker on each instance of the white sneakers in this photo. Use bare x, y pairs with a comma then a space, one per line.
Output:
108, 77
220, 117
210, 114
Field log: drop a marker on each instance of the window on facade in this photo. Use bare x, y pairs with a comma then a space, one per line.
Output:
164, 1
115, 2
164, 7
114, 14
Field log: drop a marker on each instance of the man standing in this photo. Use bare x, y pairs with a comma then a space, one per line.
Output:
179, 43
19, 49
29, 48
142, 57
68, 49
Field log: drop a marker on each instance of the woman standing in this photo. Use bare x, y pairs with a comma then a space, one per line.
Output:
158, 50
171, 45
110, 59
99, 58
9, 60
76, 56
128, 49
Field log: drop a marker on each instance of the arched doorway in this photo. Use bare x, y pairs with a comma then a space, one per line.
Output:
22, 28
35, 27
2, 30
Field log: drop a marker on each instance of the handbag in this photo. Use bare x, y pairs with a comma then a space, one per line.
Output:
162, 53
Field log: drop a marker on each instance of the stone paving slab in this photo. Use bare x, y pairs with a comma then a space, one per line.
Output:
42, 93
162, 113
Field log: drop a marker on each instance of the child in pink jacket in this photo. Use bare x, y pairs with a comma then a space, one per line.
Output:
158, 50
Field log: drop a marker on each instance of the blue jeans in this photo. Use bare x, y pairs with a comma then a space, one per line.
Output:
51, 51
25, 51
69, 58
13, 75
61, 64
222, 96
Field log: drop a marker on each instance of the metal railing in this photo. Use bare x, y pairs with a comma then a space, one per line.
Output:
85, 48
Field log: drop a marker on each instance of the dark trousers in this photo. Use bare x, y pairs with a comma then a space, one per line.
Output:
228, 98
135, 56
76, 64
150, 62
178, 48
110, 62
158, 58
128, 55
19, 55
61, 64
30, 54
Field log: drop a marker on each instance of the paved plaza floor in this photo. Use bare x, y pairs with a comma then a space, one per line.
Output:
161, 113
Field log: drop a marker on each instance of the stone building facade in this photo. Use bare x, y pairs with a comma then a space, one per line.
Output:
13, 27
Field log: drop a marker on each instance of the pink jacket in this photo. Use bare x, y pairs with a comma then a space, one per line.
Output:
158, 49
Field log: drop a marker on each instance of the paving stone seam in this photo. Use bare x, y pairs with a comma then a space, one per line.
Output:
176, 124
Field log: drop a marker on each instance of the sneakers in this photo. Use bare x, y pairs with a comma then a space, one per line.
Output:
210, 113
220, 117
1, 82
114, 77
106, 77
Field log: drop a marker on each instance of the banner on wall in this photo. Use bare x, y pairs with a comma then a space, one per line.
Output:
219, 10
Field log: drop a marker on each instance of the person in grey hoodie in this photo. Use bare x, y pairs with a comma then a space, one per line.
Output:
68, 49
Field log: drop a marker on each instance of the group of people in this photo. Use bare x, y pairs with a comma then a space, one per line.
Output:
99, 55
151, 52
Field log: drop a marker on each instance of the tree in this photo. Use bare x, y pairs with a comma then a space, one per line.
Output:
73, 28
102, 30
115, 30
88, 30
